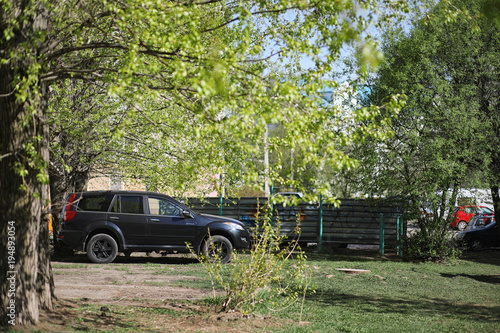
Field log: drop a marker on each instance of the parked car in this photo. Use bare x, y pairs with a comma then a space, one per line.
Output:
103, 223
478, 239
479, 221
426, 210
463, 214
290, 194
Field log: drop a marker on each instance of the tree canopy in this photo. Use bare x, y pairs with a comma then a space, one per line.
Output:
206, 93
447, 135
188, 82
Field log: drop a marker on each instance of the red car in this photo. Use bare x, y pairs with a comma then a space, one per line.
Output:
463, 214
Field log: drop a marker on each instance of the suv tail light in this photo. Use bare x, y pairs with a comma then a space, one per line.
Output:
69, 210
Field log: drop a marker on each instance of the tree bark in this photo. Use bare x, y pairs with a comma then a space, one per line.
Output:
25, 280
496, 201
21, 206
61, 184
45, 281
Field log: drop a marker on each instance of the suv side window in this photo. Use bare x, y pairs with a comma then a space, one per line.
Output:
96, 203
131, 204
159, 206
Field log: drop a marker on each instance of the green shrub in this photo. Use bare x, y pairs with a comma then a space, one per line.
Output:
273, 274
431, 241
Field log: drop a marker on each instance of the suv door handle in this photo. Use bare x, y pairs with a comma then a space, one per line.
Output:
114, 218
155, 220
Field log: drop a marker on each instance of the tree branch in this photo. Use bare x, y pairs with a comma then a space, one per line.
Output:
252, 14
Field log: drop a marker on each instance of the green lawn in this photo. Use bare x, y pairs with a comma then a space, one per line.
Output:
461, 296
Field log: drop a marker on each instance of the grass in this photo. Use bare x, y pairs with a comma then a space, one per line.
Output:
395, 296
462, 296
459, 296
155, 283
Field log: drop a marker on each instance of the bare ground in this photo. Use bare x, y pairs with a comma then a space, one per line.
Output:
126, 281
131, 295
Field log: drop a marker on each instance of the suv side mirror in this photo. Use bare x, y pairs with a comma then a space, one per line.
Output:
186, 214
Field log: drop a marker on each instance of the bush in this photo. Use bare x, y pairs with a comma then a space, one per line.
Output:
431, 241
273, 274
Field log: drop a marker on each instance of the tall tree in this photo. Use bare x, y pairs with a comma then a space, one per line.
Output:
207, 59
447, 135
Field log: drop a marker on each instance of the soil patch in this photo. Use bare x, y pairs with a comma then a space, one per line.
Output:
136, 294
128, 279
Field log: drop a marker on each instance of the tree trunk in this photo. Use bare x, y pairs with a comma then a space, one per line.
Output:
24, 262
21, 206
62, 183
45, 281
496, 201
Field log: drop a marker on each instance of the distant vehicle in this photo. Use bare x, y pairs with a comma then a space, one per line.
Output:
479, 221
479, 239
290, 194
426, 210
105, 222
463, 214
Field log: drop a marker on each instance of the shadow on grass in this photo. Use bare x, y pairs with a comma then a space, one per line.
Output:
353, 255
428, 307
493, 279
486, 256
70, 315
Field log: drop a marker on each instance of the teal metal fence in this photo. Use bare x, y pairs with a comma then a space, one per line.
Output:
355, 221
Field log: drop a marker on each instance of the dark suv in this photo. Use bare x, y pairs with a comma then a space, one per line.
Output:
103, 223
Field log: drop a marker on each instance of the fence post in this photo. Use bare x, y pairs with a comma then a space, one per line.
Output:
401, 231
271, 193
320, 243
398, 236
381, 241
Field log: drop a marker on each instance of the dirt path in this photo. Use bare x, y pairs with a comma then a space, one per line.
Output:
140, 293
128, 280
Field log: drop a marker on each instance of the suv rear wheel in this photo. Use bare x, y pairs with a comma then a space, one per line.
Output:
217, 248
102, 249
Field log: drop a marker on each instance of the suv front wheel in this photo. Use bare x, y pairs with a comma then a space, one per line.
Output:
102, 249
217, 248
476, 245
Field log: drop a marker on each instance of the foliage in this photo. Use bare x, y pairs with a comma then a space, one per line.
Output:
431, 242
184, 90
446, 137
206, 91
273, 274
